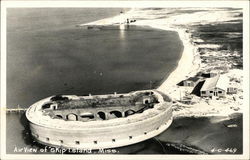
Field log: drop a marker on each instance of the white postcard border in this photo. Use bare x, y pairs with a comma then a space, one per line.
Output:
126, 4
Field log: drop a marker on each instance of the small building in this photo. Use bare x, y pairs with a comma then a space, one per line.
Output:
216, 86
232, 88
191, 82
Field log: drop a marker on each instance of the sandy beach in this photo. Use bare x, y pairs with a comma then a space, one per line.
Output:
190, 62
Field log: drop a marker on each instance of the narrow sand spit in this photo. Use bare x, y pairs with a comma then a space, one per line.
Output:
190, 63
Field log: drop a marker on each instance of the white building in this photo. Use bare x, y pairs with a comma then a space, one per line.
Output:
191, 82
215, 86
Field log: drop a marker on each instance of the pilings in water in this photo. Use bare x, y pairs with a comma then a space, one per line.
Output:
15, 110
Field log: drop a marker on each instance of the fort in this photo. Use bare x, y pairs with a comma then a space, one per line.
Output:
99, 121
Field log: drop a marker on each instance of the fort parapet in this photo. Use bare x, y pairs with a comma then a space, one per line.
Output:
99, 121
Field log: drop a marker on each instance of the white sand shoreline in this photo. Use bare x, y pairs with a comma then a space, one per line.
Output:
188, 65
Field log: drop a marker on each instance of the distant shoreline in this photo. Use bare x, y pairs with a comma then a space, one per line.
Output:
186, 65
189, 64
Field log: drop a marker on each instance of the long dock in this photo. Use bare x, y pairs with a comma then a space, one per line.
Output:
15, 110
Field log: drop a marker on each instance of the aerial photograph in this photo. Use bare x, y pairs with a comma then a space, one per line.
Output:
120, 80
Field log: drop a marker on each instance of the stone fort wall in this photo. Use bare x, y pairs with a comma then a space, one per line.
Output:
92, 137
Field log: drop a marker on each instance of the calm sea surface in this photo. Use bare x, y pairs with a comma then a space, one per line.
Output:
48, 55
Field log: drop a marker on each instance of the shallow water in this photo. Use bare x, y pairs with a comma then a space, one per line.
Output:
207, 133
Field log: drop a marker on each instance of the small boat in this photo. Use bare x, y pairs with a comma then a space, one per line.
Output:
232, 125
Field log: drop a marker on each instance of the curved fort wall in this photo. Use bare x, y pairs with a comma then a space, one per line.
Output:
105, 134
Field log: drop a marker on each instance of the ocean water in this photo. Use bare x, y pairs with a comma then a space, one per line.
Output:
48, 55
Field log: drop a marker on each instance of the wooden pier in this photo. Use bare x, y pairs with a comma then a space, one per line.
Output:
15, 110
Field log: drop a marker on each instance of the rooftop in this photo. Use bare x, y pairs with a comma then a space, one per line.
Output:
210, 83
223, 82
193, 79
219, 81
